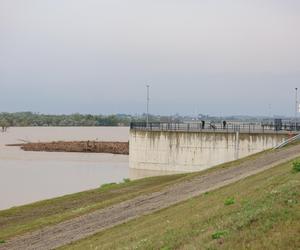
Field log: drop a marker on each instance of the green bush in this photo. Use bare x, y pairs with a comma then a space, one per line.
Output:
296, 166
2, 241
219, 234
126, 180
229, 201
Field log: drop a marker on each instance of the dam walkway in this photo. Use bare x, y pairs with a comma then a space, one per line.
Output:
228, 127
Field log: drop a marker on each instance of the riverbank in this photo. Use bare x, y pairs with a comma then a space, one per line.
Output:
23, 219
77, 146
207, 210
259, 212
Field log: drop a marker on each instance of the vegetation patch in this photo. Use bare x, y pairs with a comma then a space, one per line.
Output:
126, 180
229, 201
107, 186
296, 166
266, 217
2, 241
22, 119
219, 234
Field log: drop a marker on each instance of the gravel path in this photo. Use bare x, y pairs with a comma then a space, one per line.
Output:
89, 224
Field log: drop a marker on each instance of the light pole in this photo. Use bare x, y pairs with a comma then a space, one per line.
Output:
148, 99
296, 107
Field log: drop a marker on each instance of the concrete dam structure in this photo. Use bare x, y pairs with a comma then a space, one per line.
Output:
187, 147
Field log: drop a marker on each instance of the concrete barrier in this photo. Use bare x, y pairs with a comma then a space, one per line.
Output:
194, 151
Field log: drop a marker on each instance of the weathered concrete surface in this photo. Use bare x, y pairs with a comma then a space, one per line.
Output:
193, 151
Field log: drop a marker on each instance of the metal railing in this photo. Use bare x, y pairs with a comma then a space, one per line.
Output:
210, 126
282, 126
288, 141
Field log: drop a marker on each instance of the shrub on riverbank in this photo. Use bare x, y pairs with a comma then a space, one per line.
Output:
296, 166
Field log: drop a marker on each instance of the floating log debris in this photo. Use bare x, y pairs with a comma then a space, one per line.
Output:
77, 146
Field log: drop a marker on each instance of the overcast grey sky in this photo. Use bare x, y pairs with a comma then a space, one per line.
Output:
217, 57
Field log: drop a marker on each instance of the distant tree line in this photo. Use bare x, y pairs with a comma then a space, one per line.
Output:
28, 119
25, 119
4, 124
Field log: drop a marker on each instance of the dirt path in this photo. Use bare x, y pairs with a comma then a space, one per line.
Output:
86, 225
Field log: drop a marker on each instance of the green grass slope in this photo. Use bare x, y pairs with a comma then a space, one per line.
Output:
259, 212
22, 219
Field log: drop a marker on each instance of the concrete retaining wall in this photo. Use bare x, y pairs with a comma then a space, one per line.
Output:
193, 151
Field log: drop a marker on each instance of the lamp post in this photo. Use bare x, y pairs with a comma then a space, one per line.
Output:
296, 107
148, 99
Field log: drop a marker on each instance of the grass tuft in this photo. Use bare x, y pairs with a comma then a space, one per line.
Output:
126, 180
219, 234
296, 166
165, 248
108, 185
229, 201
2, 241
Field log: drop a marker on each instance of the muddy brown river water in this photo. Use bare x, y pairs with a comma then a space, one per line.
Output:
31, 176
27, 177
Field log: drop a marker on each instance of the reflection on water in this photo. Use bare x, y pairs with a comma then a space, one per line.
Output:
31, 176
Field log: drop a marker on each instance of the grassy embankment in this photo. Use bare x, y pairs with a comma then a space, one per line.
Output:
259, 212
19, 220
